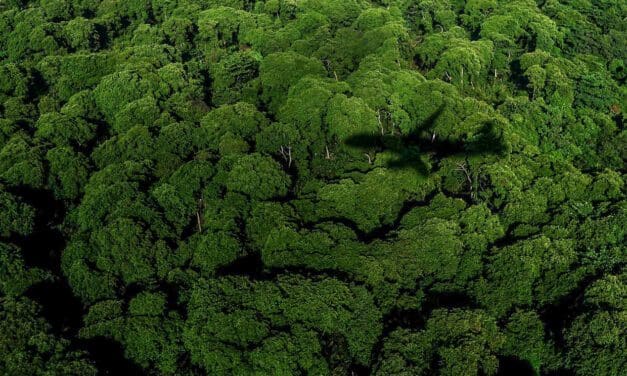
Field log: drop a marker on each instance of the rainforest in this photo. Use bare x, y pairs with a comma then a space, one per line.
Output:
313, 187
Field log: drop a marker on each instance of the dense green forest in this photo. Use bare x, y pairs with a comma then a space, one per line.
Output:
313, 187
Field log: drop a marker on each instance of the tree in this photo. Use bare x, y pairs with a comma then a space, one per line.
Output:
27, 345
224, 27
63, 130
137, 144
520, 27
70, 74
149, 333
320, 187
82, 34
430, 16
127, 252
179, 31
476, 12
264, 218
455, 342
143, 112
316, 309
258, 177
174, 144
21, 163
525, 335
14, 80
278, 72
596, 339
350, 116
15, 277
68, 172
319, 249
212, 250
17, 216
537, 270
117, 90
456, 59
374, 201
179, 194
57, 9
234, 77
222, 126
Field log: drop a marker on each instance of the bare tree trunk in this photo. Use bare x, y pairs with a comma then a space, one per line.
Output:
462, 78
462, 167
380, 123
201, 206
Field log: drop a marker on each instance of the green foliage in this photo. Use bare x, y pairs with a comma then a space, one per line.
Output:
213, 250
149, 337
234, 77
21, 163
17, 216
63, 130
68, 172
143, 111
117, 90
535, 270
525, 335
374, 201
137, 144
13, 80
280, 71
455, 342
28, 347
224, 26
312, 187
595, 339
350, 116
315, 309
258, 177
72, 73
223, 126
82, 34
428, 16
456, 59
15, 278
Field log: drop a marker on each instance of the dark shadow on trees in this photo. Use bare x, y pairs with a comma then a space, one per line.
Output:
358, 370
249, 264
59, 306
409, 148
335, 350
513, 366
109, 357
561, 314
559, 372
42, 249
448, 300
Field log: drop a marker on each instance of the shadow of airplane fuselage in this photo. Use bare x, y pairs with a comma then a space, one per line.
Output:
408, 149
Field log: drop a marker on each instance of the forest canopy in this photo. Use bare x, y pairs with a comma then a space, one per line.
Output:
313, 187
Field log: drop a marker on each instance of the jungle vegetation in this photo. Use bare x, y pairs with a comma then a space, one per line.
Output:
313, 187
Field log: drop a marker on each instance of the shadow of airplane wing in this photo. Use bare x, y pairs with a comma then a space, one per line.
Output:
409, 148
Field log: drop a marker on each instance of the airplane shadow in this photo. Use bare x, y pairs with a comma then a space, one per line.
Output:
408, 149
